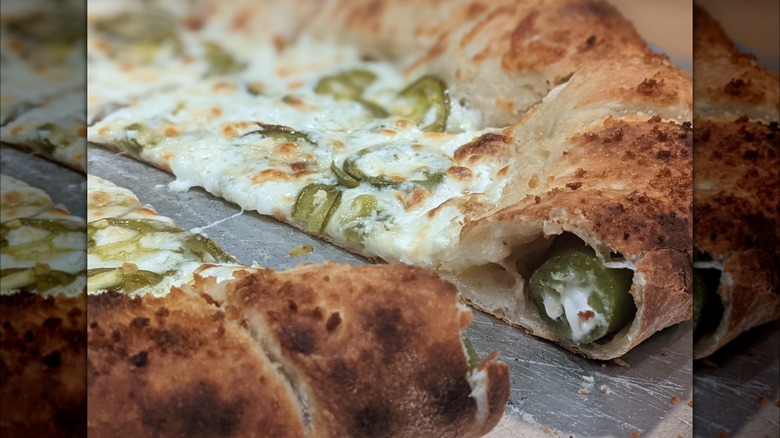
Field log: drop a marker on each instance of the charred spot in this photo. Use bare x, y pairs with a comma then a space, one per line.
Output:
586, 314
29, 336
116, 336
735, 87
52, 360
663, 154
162, 313
750, 155
387, 326
164, 339
93, 325
655, 119
580, 172
301, 340
292, 306
196, 410
574, 185
487, 144
52, 323
373, 421
341, 374
333, 321
537, 199
661, 136
591, 136
648, 87
451, 398
590, 41
140, 360
614, 135
139, 322
7, 325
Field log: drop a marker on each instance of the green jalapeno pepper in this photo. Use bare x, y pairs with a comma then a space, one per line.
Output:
574, 279
471, 355
426, 94
427, 166
221, 62
360, 207
280, 132
349, 85
707, 305
315, 206
119, 280
21, 278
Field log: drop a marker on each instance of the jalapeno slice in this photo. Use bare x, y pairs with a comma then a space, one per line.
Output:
349, 85
120, 280
315, 206
581, 299
221, 62
142, 137
343, 177
281, 132
395, 164
22, 278
360, 207
471, 355
429, 93
143, 31
42, 248
207, 250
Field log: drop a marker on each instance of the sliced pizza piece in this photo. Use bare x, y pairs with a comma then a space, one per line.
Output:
43, 316
737, 198
176, 309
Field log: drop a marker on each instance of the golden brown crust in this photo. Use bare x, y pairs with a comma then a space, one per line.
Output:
174, 366
737, 197
42, 365
403, 375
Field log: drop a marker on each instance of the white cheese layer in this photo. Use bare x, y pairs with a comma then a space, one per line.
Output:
571, 300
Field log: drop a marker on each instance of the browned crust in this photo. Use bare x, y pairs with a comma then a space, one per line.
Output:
737, 196
404, 375
42, 365
174, 367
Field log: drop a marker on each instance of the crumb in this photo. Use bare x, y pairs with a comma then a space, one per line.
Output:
588, 379
664, 352
675, 400
709, 363
777, 403
635, 434
762, 400
301, 250
723, 434
583, 391
546, 430
620, 362
603, 365
690, 404
605, 389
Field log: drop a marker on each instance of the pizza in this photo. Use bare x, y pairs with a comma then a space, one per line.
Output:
43, 317
535, 154
737, 199
184, 341
42, 107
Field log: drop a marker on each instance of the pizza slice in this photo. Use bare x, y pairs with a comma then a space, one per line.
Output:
737, 282
43, 314
484, 149
184, 340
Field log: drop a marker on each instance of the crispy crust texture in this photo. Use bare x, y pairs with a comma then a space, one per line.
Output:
174, 366
737, 198
321, 351
42, 365
404, 375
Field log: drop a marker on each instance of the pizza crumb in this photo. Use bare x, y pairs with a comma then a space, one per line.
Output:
709, 363
723, 434
588, 379
690, 404
301, 251
605, 389
675, 400
762, 400
777, 403
583, 391
635, 434
620, 362
664, 352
